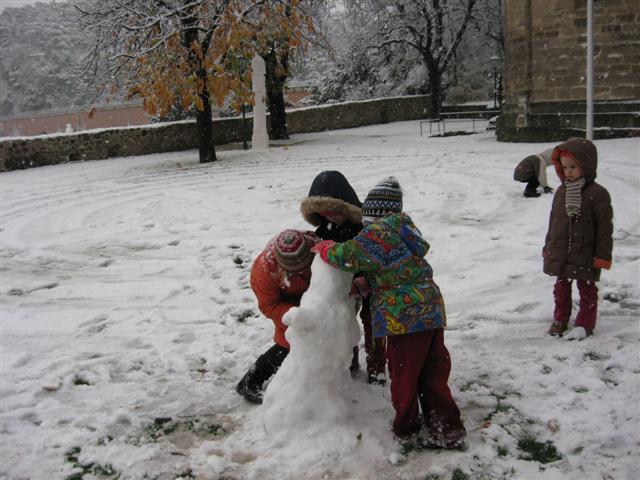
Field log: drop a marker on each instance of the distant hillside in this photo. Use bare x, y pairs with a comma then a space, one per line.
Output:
38, 50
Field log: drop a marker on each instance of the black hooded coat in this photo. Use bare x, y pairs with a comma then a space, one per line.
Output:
331, 192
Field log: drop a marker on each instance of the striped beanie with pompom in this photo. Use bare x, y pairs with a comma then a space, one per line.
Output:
384, 198
293, 250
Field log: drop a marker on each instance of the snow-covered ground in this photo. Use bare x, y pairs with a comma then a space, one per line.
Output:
127, 317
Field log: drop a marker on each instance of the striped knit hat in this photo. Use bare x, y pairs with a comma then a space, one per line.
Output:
293, 250
385, 197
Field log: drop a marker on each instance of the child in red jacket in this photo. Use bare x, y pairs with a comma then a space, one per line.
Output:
279, 277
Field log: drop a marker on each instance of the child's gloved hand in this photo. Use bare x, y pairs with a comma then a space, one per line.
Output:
547, 189
322, 247
600, 263
359, 286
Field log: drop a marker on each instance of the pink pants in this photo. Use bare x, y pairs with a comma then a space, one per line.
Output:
588, 310
419, 367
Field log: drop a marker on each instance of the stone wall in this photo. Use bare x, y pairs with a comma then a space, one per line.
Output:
165, 137
545, 67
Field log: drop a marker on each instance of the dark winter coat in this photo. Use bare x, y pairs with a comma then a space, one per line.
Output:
578, 247
331, 192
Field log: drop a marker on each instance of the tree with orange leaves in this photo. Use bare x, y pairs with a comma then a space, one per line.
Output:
191, 51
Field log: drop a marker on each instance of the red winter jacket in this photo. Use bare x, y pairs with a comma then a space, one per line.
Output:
277, 290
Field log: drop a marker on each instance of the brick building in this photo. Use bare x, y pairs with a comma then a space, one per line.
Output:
41, 123
545, 69
76, 121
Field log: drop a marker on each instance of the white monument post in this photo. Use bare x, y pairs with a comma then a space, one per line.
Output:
259, 139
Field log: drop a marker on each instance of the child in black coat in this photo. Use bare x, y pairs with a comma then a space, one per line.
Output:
333, 207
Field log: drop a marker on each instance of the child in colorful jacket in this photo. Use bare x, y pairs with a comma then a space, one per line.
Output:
580, 236
409, 311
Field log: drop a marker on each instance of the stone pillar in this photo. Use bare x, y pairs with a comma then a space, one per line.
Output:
259, 139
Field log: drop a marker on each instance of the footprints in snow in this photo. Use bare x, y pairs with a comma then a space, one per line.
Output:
95, 325
19, 292
216, 264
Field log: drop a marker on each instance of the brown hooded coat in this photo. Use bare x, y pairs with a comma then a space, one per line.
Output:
578, 248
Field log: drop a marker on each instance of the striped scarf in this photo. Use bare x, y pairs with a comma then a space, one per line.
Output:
573, 197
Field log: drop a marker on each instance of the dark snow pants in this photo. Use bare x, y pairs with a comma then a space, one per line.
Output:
532, 185
588, 308
375, 348
419, 367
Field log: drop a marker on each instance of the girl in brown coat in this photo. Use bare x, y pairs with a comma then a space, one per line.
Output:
579, 240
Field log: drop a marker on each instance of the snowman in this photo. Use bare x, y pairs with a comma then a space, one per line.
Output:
312, 388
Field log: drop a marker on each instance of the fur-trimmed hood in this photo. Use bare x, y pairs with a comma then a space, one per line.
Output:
331, 192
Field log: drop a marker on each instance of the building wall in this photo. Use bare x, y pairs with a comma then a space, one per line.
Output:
103, 117
294, 95
545, 61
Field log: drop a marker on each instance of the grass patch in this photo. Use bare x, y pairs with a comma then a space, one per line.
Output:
502, 451
538, 451
95, 469
163, 426
458, 474
501, 407
466, 387
242, 316
105, 440
77, 380
591, 356
186, 475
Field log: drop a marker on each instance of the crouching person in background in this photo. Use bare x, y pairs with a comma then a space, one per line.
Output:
533, 171
279, 277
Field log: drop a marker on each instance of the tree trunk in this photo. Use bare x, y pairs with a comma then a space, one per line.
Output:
204, 120
204, 123
274, 83
435, 89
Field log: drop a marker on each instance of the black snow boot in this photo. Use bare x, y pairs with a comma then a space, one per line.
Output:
251, 394
531, 190
267, 364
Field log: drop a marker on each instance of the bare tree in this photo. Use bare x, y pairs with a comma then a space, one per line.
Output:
433, 28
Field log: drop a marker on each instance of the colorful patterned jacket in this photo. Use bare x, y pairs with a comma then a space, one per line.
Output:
390, 252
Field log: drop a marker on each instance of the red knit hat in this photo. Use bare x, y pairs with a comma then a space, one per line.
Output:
293, 250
